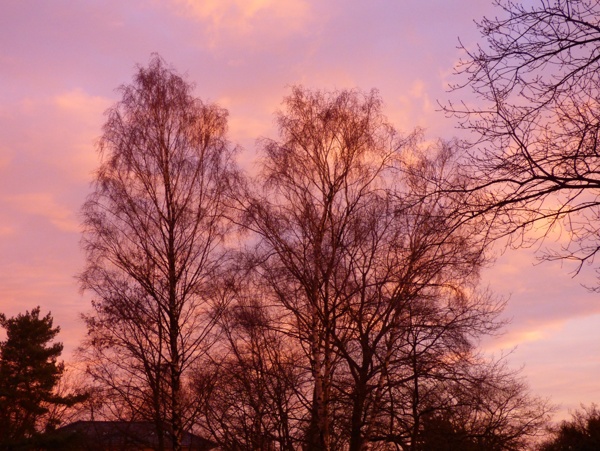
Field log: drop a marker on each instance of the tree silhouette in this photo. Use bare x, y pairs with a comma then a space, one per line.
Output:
368, 268
320, 181
29, 373
154, 233
581, 433
349, 317
536, 122
252, 388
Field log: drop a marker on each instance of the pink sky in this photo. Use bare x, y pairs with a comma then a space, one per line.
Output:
61, 61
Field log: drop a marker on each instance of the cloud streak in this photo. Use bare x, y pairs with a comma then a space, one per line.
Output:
61, 61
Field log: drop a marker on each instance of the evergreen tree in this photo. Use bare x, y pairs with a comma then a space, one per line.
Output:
29, 371
580, 433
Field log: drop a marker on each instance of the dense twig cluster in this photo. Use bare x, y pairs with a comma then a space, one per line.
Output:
330, 303
536, 122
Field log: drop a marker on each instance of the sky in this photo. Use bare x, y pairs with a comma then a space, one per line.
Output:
60, 65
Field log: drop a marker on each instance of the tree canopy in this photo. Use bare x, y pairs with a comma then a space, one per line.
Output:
343, 312
580, 433
29, 373
154, 231
534, 156
363, 271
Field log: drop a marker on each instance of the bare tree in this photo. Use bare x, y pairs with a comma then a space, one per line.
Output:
535, 120
413, 313
332, 159
495, 409
252, 387
370, 266
154, 239
492, 410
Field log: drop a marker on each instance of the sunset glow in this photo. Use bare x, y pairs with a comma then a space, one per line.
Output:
61, 63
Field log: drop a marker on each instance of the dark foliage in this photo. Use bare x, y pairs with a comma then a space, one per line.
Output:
581, 433
29, 373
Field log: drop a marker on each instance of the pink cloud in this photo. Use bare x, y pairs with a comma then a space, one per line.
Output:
43, 205
243, 17
61, 61
79, 102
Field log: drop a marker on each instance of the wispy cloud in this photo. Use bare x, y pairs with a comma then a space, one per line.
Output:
244, 21
240, 14
6, 231
78, 101
43, 205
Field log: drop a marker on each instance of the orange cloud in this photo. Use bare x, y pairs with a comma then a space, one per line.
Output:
526, 335
65, 139
241, 18
241, 12
6, 231
44, 205
80, 102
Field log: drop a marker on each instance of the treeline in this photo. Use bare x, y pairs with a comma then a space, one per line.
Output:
331, 301
328, 303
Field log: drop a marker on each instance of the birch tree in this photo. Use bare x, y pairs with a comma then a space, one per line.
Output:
371, 267
154, 236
